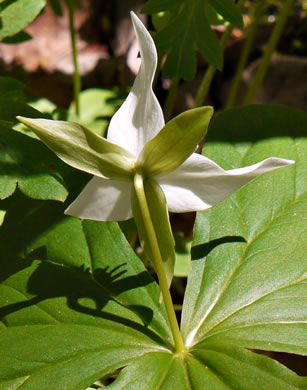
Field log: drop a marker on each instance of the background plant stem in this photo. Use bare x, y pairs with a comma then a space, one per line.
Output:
266, 58
207, 80
258, 12
77, 78
158, 262
171, 98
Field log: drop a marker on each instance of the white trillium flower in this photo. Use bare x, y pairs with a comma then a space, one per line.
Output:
197, 184
189, 181
141, 152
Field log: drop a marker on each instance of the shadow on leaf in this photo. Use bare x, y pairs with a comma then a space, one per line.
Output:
200, 251
86, 294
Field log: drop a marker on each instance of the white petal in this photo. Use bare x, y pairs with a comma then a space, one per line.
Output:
140, 117
200, 183
103, 200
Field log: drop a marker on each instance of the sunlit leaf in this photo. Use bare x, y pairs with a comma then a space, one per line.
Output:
80, 298
97, 107
26, 163
16, 15
77, 304
248, 281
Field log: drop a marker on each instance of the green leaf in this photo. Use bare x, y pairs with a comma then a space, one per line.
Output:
10, 108
76, 303
43, 105
177, 140
155, 6
189, 30
26, 163
183, 256
248, 281
81, 148
213, 17
16, 15
227, 367
214, 367
97, 105
12, 90
56, 7
77, 306
63, 356
20, 37
96, 252
161, 20
228, 10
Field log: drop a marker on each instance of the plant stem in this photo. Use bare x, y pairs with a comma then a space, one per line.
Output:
158, 261
171, 98
205, 85
207, 80
77, 78
259, 8
158, 70
266, 58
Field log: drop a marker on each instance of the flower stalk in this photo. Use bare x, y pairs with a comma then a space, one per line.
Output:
157, 260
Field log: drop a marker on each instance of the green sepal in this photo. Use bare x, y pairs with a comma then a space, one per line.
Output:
82, 149
160, 219
177, 140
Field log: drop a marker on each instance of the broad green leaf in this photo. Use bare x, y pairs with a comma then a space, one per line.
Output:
189, 30
183, 256
95, 251
216, 367
97, 107
10, 108
213, 17
20, 37
97, 103
161, 20
81, 148
228, 10
155, 6
177, 140
26, 163
229, 367
78, 305
161, 224
43, 105
152, 371
248, 281
56, 7
67, 356
16, 15
12, 90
